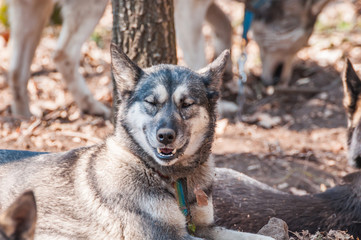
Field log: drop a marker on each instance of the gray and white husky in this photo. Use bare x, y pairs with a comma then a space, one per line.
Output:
125, 188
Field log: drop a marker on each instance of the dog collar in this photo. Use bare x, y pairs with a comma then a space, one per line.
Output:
248, 17
181, 191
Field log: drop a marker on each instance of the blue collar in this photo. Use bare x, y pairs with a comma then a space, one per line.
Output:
248, 17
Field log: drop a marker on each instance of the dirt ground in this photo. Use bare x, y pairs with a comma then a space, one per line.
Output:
293, 141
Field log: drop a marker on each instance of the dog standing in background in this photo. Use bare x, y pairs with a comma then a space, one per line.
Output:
280, 27
28, 18
124, 187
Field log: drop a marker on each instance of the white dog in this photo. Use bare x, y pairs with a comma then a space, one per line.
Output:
28, 18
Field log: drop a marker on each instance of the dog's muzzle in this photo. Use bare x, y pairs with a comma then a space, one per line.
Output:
166, 136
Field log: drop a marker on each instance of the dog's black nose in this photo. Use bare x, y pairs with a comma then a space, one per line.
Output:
165, 135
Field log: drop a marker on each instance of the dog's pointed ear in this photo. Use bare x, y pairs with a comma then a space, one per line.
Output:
213, 73
126, 73
20, 218
351, 87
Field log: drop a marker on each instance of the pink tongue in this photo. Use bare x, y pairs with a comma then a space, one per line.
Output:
166, 150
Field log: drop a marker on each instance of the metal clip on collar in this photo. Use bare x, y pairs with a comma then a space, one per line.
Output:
242, 79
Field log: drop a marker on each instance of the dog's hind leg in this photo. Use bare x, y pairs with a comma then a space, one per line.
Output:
189, 17
28, 19
222, 30
80, 18
276, 68
222, 40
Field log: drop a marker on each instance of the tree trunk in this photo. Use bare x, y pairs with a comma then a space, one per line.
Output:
145, 31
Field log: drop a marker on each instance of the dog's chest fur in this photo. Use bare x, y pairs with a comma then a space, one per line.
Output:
96, 192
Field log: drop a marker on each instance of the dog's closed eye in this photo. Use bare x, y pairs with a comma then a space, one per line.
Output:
186, 103
151, 101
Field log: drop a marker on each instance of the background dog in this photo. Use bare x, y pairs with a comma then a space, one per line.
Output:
79, 20
280, 28
352, 89
250, 204
124, 188
18, 221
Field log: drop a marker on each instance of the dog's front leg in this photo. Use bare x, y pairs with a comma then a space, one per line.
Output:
156, 218
222, 29
34, 15
80, 18
189, 17
204, 221
220, 233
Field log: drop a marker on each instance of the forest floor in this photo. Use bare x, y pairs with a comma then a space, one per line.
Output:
295, 142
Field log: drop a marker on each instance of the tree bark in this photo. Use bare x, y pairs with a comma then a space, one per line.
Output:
145, 30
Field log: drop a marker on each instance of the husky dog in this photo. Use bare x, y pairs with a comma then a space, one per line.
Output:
280, 27
125, 188
80, 18
352, 103
18, 221
250, 204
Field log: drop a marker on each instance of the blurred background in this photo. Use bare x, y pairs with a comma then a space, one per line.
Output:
294, 140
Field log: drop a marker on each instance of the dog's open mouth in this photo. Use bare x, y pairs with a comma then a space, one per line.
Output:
166, 153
